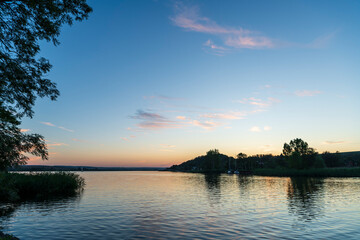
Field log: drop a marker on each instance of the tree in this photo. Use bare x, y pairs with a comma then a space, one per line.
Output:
241, 160
23, 23
299, 154
213, 159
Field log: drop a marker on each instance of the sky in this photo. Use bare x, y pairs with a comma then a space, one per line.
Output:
156, 83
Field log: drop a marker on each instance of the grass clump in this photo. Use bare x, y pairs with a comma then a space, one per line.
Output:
37, 186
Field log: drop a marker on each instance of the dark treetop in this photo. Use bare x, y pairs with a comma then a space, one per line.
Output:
23, 74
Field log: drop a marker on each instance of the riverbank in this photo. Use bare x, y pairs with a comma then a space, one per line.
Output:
314, 172
277, 172
4, 236
17, 187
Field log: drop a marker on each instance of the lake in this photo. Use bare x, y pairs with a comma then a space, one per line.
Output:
167, 205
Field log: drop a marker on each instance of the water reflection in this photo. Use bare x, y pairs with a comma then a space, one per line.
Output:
44, 208
306, 197
163, 205
212, 184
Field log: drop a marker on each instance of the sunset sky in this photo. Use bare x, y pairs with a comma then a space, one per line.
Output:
155, 83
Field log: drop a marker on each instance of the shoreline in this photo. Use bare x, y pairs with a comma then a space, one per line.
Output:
269, 172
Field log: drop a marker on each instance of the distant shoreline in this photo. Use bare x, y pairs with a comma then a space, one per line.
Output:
40, 168
268, 172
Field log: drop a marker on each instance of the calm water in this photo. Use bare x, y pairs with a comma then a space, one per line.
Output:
165, 205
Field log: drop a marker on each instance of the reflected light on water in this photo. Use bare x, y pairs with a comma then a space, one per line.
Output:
166, 205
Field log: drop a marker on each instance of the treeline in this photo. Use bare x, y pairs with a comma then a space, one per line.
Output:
296, 155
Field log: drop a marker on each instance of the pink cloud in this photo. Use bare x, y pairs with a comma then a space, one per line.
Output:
189, 19
181, 117
24, 130
53, 125
259, 102
48, 124
306, 93
208, 125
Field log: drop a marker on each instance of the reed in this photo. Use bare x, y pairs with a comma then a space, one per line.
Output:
37, 186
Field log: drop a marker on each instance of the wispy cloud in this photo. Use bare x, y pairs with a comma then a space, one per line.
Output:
215, 49
255, 129
51, 145
181, 117
333, 142
24, 130
167, 147
208, 125
259, 129
307, 93
79, 140
230, 115
190, 19
125, 138
153, 120
267, 128
53, 125
230, 38
261, 103
48, 124
66, 129
161, 97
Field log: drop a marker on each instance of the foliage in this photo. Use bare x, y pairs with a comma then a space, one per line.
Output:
299, 154
312, 172
331, 159
212, 160
23, 24
19, 187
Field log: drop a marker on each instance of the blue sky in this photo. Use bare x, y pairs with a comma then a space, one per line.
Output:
154, 83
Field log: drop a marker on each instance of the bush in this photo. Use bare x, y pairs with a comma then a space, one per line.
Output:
19, 187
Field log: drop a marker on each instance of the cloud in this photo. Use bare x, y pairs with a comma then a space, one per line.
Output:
255, 129
24, 130
267, 128
79, 140
230, 116
181, 117
167, 146
306, 93
153, 120
231, 38
259, 102
208, 125
333, 142
55, 144
66, 129
161, 97
48, 124
189, 19
125, 138
53, 125
215, 49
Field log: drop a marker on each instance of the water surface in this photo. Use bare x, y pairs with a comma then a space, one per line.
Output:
166, 205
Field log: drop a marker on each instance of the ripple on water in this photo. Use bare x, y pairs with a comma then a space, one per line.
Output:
162, 205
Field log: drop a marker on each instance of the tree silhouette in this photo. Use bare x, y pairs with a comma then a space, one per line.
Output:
23, 24
299, 154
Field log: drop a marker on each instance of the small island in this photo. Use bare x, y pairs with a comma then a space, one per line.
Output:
297, 159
